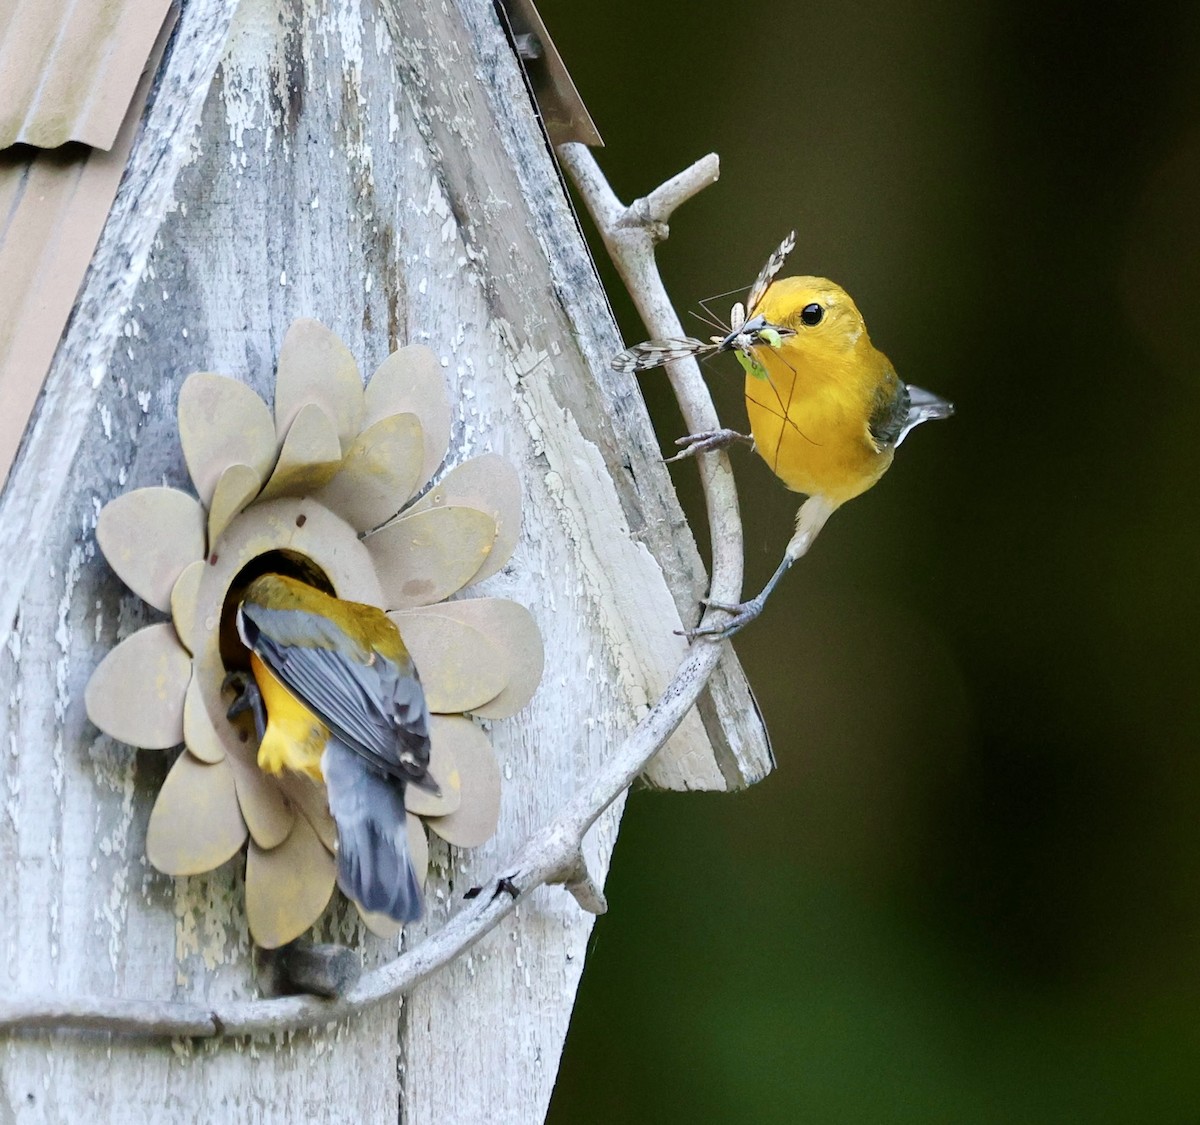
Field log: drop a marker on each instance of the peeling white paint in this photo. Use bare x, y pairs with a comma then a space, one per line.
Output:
254, 65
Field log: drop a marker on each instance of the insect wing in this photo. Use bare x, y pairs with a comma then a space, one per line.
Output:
654, 353
773, 266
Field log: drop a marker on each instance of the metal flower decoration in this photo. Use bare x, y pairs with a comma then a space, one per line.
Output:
321, 488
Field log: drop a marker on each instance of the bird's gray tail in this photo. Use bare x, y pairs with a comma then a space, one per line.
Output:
924, 406
374, 867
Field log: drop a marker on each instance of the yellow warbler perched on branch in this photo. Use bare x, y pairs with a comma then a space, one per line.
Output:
827, 409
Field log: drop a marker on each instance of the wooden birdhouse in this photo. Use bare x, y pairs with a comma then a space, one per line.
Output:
244, 247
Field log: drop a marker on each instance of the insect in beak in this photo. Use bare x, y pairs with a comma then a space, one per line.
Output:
756, 330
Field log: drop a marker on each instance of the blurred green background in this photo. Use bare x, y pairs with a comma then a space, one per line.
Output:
971, 891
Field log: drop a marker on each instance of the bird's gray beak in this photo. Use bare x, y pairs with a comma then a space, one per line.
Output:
757, 330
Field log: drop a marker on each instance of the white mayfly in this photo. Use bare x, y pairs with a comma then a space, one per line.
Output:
743, 334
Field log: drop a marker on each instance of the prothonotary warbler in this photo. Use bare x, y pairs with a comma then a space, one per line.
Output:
338, 699
827, 410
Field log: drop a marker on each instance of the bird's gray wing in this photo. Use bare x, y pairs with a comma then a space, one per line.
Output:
889, 412
375, 706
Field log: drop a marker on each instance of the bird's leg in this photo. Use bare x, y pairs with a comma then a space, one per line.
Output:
809, 521
249, 698
706, 441
743, 612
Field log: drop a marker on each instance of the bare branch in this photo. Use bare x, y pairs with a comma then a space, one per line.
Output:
654, 210
630, 234
578, 880
543, 859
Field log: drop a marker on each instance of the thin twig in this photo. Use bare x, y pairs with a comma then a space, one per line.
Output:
552, 854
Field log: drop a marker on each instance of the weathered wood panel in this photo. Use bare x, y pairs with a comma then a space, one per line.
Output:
377, 169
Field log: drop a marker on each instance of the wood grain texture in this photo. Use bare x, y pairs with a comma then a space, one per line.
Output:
377, 169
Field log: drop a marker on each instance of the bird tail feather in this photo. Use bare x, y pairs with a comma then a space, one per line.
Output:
374, 866
924, 406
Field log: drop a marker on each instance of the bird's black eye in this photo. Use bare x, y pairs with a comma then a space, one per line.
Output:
811, 314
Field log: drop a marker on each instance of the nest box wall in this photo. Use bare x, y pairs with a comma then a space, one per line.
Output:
376, 166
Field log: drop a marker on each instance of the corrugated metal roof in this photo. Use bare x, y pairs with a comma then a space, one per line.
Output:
68, 69
53, 205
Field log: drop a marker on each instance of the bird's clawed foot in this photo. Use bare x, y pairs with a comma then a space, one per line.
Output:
238, 683
706, 441
741, 614
247, 698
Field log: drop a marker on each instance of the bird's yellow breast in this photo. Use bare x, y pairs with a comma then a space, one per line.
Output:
811, 417
295, 738
810, 422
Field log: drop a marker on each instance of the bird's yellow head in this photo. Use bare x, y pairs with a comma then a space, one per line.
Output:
820, 313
